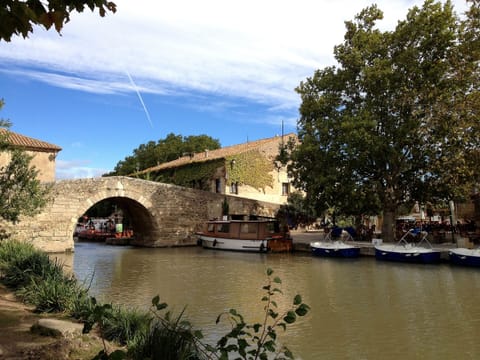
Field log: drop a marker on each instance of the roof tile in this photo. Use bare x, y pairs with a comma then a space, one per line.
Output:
27, 143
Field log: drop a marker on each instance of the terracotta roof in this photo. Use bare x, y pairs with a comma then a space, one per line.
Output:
209, 155
27, 143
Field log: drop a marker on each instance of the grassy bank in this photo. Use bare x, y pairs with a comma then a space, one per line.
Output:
156, 334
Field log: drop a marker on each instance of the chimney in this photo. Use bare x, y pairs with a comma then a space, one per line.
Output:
206, 153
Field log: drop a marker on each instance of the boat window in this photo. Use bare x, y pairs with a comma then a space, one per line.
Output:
273, 227
211, 228
250, 228
223, 228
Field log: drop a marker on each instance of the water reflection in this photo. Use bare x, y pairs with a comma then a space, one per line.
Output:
361, 309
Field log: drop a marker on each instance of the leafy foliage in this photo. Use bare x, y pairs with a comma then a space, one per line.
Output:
20, 191
18, 17
164, 150
397, 120
297, 211
250, 168
259, 340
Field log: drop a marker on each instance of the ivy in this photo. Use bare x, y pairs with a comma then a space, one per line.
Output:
195, 175
250, 168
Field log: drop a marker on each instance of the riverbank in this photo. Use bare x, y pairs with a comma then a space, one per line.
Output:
19, 342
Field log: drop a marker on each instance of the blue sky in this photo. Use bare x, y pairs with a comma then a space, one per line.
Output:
222, 68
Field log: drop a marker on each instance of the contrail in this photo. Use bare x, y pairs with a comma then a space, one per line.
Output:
140, 98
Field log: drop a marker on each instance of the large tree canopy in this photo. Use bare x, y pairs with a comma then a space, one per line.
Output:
397, 120
164, 150
18, 17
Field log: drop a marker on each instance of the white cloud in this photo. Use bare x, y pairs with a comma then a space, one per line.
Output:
76, 169
258, 50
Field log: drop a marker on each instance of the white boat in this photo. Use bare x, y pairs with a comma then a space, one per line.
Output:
464, 256
329, 247
245, 233
405, 251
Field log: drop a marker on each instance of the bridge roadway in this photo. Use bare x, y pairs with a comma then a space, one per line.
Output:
162, 215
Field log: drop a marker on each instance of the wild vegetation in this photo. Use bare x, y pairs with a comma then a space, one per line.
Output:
156, 334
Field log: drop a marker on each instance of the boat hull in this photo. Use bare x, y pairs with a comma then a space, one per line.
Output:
410, 255
332, 250
464, 257
258, 246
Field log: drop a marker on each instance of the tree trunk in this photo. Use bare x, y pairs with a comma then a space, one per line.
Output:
389, 224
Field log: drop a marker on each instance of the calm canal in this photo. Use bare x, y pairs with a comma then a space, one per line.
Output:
361, 309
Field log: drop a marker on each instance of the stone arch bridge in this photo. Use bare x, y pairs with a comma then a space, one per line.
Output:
162, 215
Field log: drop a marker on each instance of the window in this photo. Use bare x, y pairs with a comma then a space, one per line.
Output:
234, 188
223, 228
218, 186
285, 188
249, 228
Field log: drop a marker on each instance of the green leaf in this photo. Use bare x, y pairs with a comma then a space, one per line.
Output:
269, 272
277, 280
290, 317
288, 353
297, 300
302, 310
162, 306
269, 345
155, 300
198, 334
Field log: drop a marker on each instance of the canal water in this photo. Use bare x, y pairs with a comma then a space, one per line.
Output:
360, 309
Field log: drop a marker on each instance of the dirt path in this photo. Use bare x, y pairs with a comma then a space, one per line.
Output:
18, 342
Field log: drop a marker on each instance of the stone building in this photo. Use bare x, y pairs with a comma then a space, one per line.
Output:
43, 154
247, 170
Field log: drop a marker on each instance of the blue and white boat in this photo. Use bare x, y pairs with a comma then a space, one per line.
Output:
403, 251
464, 256
329, 247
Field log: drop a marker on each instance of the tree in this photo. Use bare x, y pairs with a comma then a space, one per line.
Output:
18, 17
165, 150
20, 192
397, 120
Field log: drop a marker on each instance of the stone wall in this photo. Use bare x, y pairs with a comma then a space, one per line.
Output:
44, 163
163, 215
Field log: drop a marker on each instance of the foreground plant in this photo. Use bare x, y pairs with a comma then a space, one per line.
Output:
244, 341
259, 340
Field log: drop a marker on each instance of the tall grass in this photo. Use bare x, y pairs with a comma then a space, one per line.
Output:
21, 262
39, 281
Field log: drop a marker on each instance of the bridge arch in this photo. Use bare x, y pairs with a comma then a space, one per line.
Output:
163, 214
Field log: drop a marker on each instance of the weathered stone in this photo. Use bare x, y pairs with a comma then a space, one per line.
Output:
162, 215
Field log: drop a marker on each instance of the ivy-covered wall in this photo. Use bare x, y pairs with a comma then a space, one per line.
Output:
250, 168
196, 175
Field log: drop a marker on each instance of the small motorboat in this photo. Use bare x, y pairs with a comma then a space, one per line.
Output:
464, 256
405, 251
334, 246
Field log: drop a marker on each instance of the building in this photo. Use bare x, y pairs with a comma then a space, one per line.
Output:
43, 154
247, 170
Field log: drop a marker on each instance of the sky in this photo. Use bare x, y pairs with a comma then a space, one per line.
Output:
226, 69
